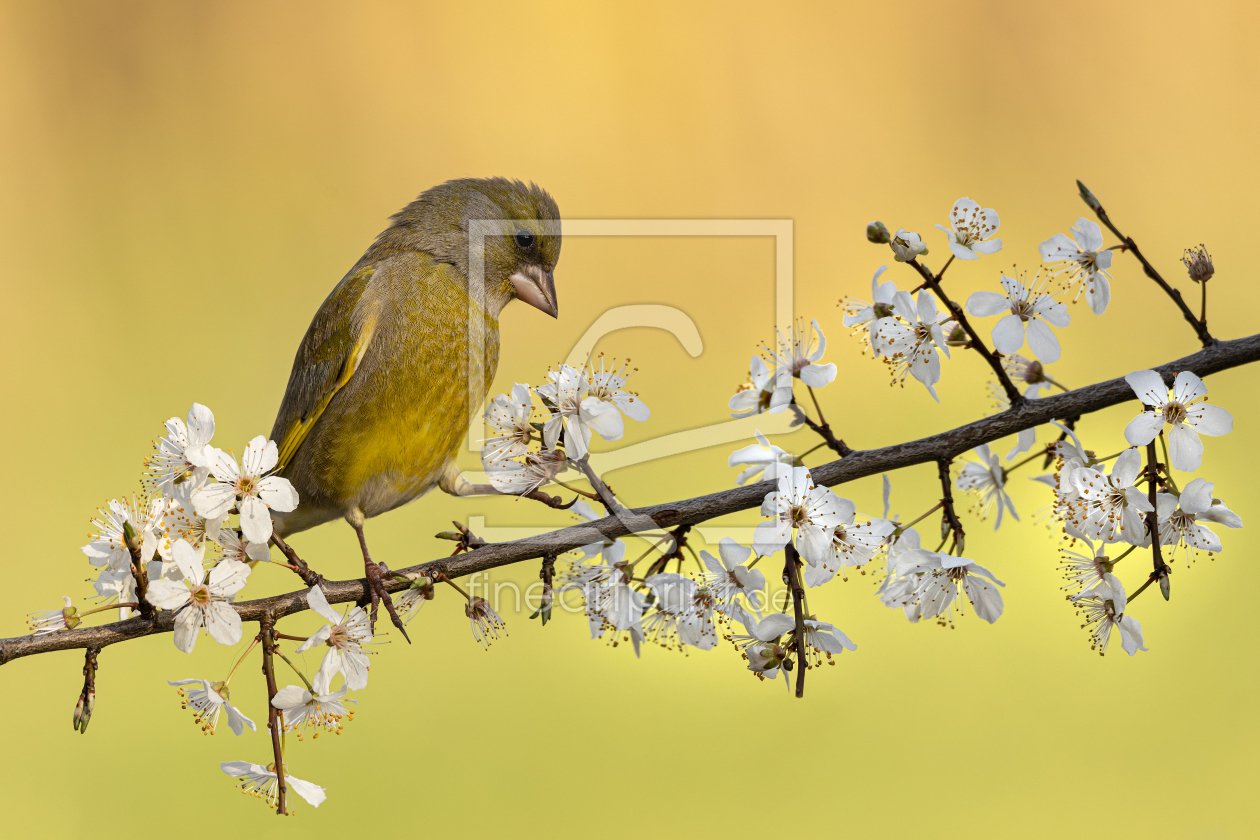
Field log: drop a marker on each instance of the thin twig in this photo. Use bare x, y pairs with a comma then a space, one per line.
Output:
1161, 570
792, 577
948, 515
977, 343
273, 714
821, 429
1199, 326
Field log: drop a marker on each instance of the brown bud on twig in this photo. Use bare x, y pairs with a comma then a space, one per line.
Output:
877, 233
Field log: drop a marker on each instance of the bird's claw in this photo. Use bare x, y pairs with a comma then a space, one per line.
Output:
376, 573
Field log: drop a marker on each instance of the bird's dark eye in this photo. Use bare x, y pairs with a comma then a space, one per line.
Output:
524, 239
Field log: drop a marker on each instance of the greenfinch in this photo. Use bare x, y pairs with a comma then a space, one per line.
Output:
379, 397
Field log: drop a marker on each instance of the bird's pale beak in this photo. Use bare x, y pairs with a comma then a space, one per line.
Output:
537, 288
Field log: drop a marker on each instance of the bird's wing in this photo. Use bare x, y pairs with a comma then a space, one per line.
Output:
330, 353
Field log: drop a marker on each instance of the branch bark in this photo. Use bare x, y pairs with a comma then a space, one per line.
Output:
860, 463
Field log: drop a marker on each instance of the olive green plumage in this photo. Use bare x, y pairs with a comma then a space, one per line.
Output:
378, 399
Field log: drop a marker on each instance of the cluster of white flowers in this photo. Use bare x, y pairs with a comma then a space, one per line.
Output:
177, 537
576, 403
909, 334
770, 375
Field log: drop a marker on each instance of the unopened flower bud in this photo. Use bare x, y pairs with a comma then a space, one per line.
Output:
1165, 583
1199, 263
83, 709
1089, 198
763, 657
877, 233
957, 337
906, 245
129, 538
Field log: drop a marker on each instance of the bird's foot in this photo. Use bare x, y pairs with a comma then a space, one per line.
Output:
376, 574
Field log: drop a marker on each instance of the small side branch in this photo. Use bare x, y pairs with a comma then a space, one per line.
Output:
1161, 569
823, 430
792, 577
308, 576
949, 517
1198, 325
87, 697
274, 721
977, 343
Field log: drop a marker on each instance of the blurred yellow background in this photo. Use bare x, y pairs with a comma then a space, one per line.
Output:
181, 184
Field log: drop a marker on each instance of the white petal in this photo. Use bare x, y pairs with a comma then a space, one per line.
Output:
984, 304
228, 578
1098, 294
1149, 387
213, 501
223, 624
989, 246
1211, 420
237, 721
278, 493
816, 376
167, 595
1196, 497
355, 666
255, 519
1008, 335
1188, 387
290, 697
771, 536
1185, 450
188, 561
312, 793
1143, 428
1042, 341
315, 600
1127, 468
187, 623
222, 465
200, 425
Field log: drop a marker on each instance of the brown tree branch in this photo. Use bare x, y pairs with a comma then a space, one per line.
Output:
860, 463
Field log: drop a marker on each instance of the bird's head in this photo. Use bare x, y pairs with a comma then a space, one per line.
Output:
515, 226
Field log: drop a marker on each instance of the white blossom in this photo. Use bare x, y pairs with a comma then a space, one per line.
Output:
862, 316
764, 392
1185, 410
608, 386
1083, 259
1108, 507
577, 416
207, 702
758, 458
50, 621
853, 544
941, 575
909, 340
612, 606
520, 477
1181, 519
799, 354
969, 230
263, 783
728, 576
509, 416
1103, 607
760, 644
303, 710
254, 493
1084, 571
181, 455
1028, 312
798, 505
906, 245
345, 636
986, 479
484, 621
673, 595
108, 547
201, 604
234, 548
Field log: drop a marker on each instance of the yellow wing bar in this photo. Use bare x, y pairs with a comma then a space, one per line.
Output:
301, 427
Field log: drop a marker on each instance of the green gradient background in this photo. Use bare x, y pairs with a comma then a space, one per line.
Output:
182, 183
